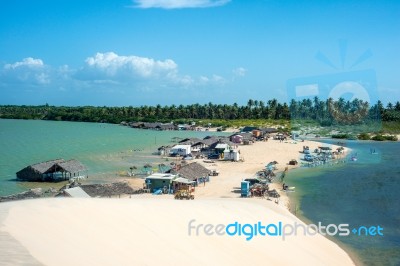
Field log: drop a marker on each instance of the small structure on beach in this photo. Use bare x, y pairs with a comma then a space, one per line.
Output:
245, 189
237, 138
153, 126
323, 149
189, 141
180, 150
194, 172
75, 192
164, 150
54, 170
159, 181
248, 129
232, 155
269, 130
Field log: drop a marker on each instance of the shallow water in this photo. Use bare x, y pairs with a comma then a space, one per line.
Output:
106, 150
361, 193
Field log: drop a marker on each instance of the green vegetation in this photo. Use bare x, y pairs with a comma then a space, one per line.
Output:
391, 127
364, 136
341, 136
384, 137
316, 116
344, 136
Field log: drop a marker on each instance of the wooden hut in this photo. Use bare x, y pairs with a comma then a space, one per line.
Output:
159, 181
53, 170
194, 172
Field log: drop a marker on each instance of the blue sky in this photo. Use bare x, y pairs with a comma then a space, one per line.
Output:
125, 52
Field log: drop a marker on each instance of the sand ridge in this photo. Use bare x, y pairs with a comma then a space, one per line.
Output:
152, 232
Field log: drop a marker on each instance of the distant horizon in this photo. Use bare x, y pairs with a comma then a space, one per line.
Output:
187, 104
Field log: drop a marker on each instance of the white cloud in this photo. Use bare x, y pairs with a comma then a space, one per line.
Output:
113, 65
204, 79
26, 62
240, 72
109, 70
173, 4
30, 71
107, 67
42, 78
218, 79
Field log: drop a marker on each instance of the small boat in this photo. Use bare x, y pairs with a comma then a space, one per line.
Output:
353, 158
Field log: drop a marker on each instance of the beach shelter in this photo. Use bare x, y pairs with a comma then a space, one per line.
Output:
159, 181
76, 192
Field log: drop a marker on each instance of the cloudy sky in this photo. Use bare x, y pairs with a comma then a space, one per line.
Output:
125, 52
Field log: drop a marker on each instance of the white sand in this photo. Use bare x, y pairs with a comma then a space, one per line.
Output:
155, 232
256, 157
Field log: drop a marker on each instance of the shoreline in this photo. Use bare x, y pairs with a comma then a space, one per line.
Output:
256, 157
222, 187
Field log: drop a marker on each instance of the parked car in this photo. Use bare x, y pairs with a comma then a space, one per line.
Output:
213, 156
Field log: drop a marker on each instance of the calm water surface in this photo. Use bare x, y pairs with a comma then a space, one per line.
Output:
361, 193
106, 150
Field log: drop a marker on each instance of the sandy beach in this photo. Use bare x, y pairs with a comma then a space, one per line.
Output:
151, 230
256, 156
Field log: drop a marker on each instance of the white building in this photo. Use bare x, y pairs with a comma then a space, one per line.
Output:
180, 150
223, 147
232, 155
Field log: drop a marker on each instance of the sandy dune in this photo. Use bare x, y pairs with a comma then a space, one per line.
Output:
154, 232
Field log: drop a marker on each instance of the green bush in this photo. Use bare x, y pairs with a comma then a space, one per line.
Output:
391, 138
378, 138
326, 123
383, 138
340, 136
364, 136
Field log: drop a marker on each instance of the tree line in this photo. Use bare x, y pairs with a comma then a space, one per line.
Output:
325, 112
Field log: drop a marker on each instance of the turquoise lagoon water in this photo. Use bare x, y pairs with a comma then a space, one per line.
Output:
105, 149
361, 193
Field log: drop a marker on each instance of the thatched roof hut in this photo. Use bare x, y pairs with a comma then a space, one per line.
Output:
269, 130
193, 171
52, 170
109, 189
248, 129
168, 126
189, 141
